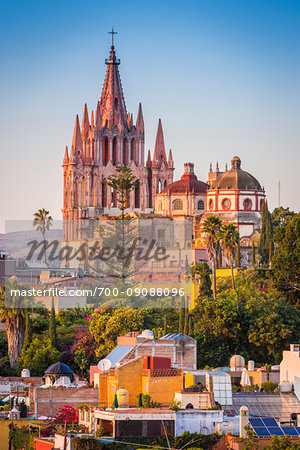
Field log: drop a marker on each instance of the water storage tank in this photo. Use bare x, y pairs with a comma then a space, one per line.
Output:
251, 365
123, 398
237, 363
285, 387
147, 334
25, 373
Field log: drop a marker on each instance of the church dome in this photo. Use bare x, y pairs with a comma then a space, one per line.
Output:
58, 368
236, 178
188, 183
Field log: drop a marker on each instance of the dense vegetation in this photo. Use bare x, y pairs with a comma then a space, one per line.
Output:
256, 315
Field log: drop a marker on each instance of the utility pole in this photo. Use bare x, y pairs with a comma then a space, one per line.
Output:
279, 186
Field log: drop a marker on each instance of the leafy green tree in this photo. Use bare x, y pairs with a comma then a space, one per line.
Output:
286, 262
38, 356
42, 222
281, 215
229, 240
181, 320
265, 233
52, 328
283, 443
275, 325
253, 323
201, 275
106, 325
122, 184
211, 229
28, 332
165, 325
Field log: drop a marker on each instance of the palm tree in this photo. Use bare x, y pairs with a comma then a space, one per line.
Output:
13, 314
42, 222
229, 240
211, 229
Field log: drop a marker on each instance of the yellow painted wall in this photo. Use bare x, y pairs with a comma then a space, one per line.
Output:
224, 273
102, 385
4, 430
189, 380
162, 389
127, 377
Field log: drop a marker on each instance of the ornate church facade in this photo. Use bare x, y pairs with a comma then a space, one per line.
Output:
109, 139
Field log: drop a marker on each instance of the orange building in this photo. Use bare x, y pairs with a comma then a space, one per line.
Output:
160, 382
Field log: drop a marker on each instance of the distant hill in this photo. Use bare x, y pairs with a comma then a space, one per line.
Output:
16, 242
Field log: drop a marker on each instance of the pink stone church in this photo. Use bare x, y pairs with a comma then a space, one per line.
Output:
109, 138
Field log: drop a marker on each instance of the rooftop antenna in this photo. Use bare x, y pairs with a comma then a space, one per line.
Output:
112, 32
279, 186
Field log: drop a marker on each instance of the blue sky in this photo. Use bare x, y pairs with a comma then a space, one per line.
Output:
222, 75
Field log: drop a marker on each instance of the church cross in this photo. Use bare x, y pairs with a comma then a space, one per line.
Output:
112, 32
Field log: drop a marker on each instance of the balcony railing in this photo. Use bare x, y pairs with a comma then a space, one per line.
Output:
157, 373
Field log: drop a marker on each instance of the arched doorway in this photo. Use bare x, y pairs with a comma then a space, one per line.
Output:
105, 151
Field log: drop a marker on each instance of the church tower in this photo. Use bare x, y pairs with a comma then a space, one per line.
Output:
107, 139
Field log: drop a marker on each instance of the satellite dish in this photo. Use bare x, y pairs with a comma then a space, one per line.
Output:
104, 365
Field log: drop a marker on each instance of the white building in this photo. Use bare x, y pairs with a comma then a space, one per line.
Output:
290, 368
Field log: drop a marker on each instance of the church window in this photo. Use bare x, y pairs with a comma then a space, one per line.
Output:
76, 193
125, 152
82, 191
177, 205
159, 206
105, 151
159, 186
201, 204
247, 204
116, 103
226, 203
137, 196
261, 204
114, 151
132, 151
210, 204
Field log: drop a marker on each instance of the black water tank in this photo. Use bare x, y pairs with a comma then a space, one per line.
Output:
23, 410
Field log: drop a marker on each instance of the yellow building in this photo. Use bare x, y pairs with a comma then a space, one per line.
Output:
160, 383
